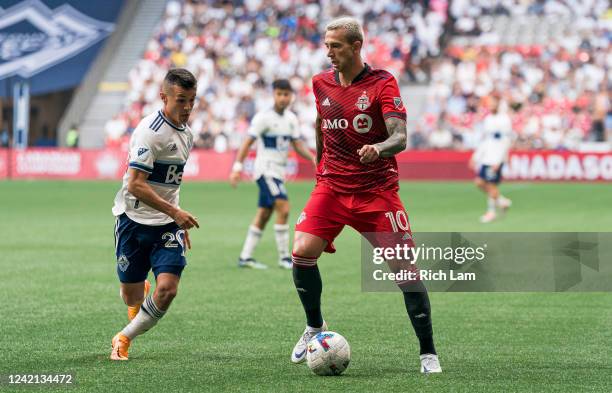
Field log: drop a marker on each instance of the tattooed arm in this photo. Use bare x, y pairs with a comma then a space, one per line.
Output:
395, 143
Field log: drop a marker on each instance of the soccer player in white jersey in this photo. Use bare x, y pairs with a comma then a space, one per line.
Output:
489, 158
151, 228
274, 130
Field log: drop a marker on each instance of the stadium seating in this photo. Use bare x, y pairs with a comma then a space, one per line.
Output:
547, 60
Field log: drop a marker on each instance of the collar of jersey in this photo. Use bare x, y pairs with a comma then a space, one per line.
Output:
161, 113
278, 114
359, 76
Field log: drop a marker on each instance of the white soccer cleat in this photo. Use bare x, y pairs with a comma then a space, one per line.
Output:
251, 264
488, 217
285, 263
430, 364
504, 204
299, 351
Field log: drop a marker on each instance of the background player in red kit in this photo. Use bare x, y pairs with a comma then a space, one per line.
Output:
361, 125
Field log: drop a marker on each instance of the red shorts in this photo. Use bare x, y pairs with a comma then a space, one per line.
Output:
328, 211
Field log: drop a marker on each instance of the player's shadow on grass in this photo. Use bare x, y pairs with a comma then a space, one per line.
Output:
370, 375
200, 357
89, 359
98, 357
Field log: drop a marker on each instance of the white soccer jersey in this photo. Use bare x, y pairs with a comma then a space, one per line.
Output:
161, 149
273, 132
497, 138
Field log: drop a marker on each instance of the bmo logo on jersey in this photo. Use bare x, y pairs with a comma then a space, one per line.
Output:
334, 124
362, 123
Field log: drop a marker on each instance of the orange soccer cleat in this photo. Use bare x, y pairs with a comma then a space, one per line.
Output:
132, 311
121, 345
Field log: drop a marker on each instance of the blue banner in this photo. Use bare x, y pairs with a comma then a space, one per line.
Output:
52, 43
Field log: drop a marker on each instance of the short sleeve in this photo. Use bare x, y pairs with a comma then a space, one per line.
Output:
391, 101
142, 150
257, 126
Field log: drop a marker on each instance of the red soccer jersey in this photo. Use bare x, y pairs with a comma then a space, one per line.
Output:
351, 117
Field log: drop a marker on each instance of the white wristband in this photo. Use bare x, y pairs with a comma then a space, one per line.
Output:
377, 150
237, 167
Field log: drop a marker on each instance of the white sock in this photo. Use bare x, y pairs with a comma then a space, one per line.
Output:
147, 317
252, 238
281, 232
501, 199
491, 205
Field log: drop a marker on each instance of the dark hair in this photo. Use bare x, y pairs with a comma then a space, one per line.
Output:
282, 84
181, 77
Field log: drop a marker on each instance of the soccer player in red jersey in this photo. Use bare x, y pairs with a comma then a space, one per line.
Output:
360, 126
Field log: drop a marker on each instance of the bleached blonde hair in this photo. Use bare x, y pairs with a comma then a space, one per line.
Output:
350, 25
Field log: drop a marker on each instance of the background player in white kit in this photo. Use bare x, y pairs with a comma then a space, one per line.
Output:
274, 129
489, 158
151, 228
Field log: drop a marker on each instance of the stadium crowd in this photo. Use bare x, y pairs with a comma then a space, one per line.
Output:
236, 49
556, 93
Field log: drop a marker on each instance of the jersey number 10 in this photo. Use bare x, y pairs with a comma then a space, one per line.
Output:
398, 219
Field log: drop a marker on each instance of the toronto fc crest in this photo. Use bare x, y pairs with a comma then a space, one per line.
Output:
363, 102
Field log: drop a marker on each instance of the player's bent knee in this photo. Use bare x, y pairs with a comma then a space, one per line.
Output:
281, 208
300, 245
283, 217
165, 294
168, 291
307, 245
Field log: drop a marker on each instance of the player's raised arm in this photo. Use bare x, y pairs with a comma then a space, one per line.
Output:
138, 186
239, 163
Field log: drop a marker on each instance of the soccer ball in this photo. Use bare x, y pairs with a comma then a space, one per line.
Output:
328, 354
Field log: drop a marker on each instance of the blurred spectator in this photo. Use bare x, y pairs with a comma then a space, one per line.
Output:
5, 136
72, 137
441, 136
417, 139
601, 109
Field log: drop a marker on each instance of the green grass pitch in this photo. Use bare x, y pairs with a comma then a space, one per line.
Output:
233, 330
